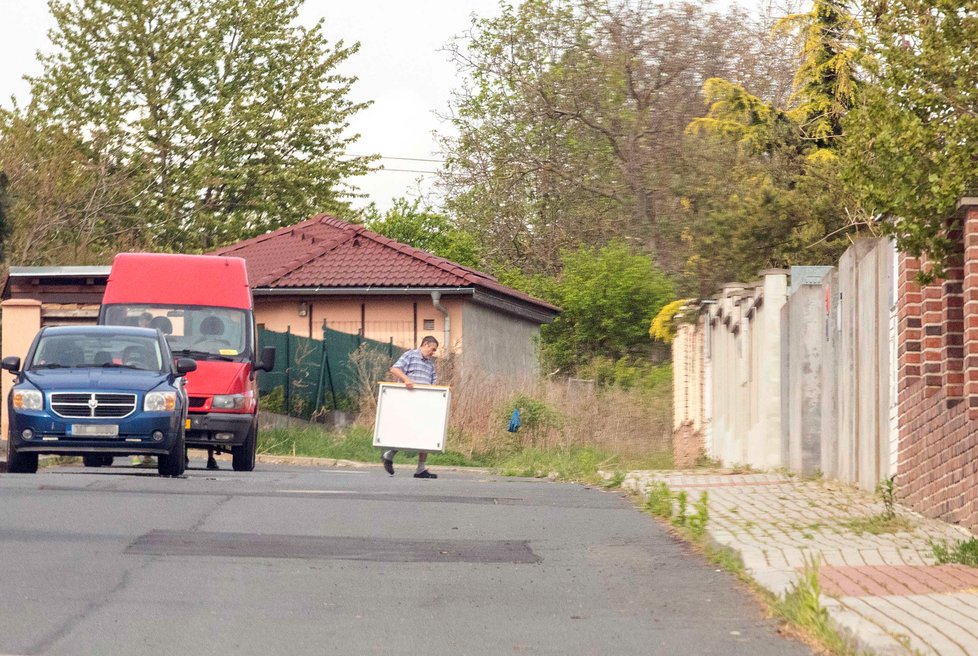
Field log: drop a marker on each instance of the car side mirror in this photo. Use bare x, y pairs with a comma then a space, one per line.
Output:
185, 366
267, 361
11, 363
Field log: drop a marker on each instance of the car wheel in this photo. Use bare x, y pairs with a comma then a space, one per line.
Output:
92, 461
243, 456
20, 463
174, 463
107, 461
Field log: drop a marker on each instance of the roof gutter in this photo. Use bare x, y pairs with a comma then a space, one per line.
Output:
375, 291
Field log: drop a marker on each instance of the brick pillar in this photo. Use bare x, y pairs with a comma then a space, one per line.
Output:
952, 372
968, 211
932, 342
909, 331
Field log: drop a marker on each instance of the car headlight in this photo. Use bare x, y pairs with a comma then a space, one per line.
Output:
28, 399
160, 402
228, 401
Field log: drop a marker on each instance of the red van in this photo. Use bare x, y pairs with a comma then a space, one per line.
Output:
202, 305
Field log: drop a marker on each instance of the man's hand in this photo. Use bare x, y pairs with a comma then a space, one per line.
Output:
401, 376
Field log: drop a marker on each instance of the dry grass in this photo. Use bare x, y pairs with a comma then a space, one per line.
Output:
557, 413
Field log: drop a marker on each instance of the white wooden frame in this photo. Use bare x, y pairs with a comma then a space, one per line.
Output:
412, 419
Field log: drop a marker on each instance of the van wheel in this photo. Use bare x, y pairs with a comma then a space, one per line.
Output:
20, 463
243, 456
174, 463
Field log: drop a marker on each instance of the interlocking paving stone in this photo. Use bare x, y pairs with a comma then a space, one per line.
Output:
885, 591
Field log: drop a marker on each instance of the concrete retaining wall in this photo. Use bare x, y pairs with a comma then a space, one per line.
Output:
799, 376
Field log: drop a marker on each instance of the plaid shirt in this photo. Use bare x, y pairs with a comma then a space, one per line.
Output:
416, 367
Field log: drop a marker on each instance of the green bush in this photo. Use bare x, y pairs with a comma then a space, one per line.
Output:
274, 401
536, 417
627, 373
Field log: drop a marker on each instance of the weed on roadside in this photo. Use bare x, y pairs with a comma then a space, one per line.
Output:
801, 607
877, 525
658, 500
615, 481
886, 490
961, 553
681, 502
701, 515
887, 521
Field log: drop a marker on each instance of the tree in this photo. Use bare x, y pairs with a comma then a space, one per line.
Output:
767, 191
4, 211
67, 201
230, 115
424, 228
608, 297
913, 140
571, 124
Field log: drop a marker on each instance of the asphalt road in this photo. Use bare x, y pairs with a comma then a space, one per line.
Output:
289, 560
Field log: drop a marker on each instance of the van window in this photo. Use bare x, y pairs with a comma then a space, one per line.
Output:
221, 332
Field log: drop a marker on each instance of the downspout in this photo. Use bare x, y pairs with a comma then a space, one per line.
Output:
436, 301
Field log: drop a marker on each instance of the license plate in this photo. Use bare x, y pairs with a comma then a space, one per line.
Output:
94, 430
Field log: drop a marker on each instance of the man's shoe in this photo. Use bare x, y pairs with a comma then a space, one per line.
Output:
425, 474
388, 465
212, 464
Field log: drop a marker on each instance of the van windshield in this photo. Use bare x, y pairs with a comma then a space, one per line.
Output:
197, 331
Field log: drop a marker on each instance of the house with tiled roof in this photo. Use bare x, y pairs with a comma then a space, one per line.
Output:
327, 272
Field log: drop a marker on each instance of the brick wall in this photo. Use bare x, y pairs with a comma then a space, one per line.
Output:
937, 380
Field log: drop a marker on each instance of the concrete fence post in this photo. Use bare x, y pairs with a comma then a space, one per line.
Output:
21, 321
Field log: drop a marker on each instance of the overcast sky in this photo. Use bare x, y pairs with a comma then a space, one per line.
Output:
401, 66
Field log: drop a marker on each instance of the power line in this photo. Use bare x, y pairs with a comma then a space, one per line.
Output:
405, 171
405, 159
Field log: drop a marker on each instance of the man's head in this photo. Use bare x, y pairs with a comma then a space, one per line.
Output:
428, 346
144, 319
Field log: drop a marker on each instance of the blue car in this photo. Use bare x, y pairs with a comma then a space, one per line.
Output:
98, 392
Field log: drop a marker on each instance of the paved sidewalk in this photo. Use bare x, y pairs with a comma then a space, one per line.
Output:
885, 591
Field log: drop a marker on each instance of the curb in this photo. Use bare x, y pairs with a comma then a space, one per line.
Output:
305, 461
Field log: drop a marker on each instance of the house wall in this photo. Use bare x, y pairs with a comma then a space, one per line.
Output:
498, 344
383, 318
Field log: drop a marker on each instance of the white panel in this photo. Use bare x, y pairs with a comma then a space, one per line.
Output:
414, 419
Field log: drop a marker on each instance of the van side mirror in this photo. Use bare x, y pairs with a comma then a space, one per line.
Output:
267, 360
185, 366
11, 363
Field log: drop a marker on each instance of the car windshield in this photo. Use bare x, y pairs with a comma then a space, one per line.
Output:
97, 350
198, 332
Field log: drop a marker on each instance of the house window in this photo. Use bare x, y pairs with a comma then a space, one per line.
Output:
429, 324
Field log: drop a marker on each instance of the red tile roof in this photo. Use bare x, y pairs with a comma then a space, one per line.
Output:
325, 252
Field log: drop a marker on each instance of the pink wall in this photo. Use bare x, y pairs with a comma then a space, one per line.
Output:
384, 317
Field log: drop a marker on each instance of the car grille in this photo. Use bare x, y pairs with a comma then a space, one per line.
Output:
77, 404
197, 401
